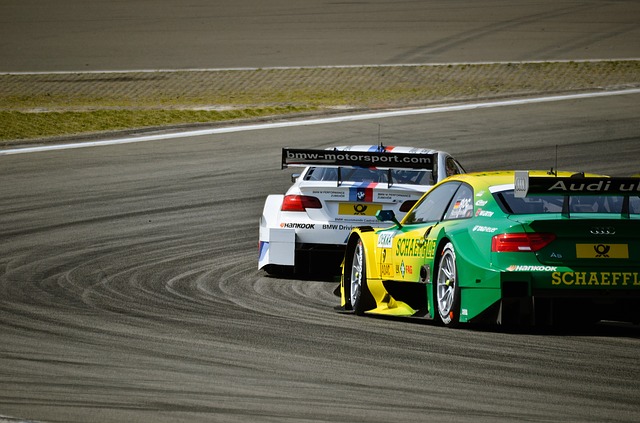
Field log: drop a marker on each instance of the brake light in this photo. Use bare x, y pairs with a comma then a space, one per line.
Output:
520, 242
300, 203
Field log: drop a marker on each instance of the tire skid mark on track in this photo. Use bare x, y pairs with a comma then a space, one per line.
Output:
424, 53
170, 320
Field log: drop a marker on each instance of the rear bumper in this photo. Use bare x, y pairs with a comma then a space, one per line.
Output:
565, 282
556, 297
276, 246
321, 233
570, 296
282, 247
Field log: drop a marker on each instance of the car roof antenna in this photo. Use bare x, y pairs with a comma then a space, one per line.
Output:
554, 172
380, 146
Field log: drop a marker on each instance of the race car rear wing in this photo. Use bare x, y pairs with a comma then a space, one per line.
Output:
576, 185
364, 159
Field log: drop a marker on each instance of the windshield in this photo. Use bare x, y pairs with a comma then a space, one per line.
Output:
553, 203
398, 176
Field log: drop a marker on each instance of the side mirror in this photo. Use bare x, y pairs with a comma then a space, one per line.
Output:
294, 177
387, 216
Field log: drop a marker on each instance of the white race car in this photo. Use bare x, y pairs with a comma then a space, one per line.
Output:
305, 230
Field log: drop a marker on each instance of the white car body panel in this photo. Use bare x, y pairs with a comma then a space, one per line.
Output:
277, 243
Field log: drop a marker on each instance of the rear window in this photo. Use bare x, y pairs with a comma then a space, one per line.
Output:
553, 203
398, 176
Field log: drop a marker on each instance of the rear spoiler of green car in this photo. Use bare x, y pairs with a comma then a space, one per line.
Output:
576, 185
365, 159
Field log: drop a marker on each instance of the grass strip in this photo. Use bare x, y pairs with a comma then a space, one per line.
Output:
38, 106
20, 125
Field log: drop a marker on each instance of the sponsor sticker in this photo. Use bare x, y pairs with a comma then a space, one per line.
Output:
298, 225
521, 184
386, 269
461, 208
385, 239
617, 251
595, 185
483, 213
480, 228
404, 269
361, 194
430, 249
393, 196
358, 209
335, 227
527, 268
410, 247
595, 279
331, 194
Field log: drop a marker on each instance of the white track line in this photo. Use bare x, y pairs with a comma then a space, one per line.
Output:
317, 121
506, 62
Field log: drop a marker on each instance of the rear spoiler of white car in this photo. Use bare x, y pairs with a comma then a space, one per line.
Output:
366, 159
576, 185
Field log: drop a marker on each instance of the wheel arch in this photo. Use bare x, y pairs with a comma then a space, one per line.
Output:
479, 285
462, 262
348, 251
364, 234
367, 301
469, 258
271, 211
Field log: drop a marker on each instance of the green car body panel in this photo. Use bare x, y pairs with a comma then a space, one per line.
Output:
525, 266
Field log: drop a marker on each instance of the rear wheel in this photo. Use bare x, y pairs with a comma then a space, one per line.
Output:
356, 288
447, 288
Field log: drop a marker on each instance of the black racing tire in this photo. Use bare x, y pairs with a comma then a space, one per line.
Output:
358, 296
447, 288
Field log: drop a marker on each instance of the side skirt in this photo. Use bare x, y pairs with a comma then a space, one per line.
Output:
414, 294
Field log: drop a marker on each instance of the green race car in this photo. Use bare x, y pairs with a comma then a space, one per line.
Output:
504, 247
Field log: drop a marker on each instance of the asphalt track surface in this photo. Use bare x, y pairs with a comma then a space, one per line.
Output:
77, 35
129, 289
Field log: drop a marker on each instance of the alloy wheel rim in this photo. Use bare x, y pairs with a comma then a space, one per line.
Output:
446, 285
356, 274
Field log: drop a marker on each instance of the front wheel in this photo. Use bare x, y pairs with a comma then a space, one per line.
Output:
447, 288
356, 289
